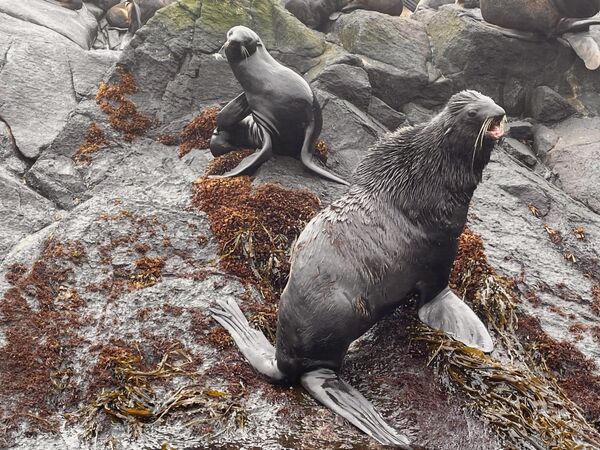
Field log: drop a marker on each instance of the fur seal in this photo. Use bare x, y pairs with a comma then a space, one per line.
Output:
316, 13
392, 236
566, 19
277, 112
133, 14
69, 4
104, 5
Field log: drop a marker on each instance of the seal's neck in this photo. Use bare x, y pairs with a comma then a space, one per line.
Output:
428, 175
251, 70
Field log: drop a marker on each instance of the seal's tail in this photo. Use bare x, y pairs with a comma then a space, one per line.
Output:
252, 343
450, 314
329, 389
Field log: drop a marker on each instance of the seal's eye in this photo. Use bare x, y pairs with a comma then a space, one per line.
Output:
472, 113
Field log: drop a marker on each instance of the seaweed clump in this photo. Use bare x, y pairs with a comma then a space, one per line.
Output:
516, 395
321, 150
227, 162
122, 112
255, 229
40, 317
134, 393
197, 133
94, 141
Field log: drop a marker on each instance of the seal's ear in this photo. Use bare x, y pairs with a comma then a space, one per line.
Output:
450, 314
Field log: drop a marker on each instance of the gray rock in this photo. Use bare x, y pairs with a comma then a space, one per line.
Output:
385, 114
58, 180
544, 140
521, 129
416, 113
346, 82
471, 54
547, 106
520, 151
23, 211
575, 159
78, 26
395, 52
43, 72
10, 158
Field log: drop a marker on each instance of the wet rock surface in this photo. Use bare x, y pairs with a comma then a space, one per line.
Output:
107, 267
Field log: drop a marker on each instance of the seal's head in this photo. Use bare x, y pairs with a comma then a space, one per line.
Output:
472, 124
241, 44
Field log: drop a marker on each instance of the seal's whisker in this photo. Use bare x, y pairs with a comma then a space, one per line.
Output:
219, 55
479, 140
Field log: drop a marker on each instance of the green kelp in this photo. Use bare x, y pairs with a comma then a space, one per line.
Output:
135, 394
514, 391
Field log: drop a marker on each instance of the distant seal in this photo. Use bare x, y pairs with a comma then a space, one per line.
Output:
277, 112
119, 15
391, 237
105, 5
70, 4
315, 13
568, 19
133, 14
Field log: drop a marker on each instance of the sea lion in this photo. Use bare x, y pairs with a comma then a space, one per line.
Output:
277, 112
69, 4
104, 5
119, 15
435, 4
133, 14
316, 13
391, 237
566, 19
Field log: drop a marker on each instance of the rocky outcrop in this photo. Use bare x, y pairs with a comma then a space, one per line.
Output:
109, 249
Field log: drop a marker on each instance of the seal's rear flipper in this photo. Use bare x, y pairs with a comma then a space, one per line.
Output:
252, 162
306, 156
252, 343
450, 314
586, 48
333, 392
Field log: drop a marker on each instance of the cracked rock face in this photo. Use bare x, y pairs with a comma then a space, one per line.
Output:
111, 249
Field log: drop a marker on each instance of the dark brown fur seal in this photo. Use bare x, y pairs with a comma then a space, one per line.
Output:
393, 236
568, 19
277, 112
69, 4
316, 13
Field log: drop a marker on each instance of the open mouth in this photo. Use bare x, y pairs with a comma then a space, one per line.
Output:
496, 127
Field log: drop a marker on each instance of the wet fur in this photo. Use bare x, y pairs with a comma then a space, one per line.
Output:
392, 236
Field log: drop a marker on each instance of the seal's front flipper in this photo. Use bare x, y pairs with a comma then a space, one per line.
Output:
572, 25
450, 314
233, 112
306, 156
252, 343
333, 392
586, 48
252, 162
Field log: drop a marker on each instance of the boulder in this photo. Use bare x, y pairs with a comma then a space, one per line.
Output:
546, 105
520, 151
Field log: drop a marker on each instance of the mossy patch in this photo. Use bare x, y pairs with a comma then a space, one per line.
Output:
94, 141
198, 132
122, 112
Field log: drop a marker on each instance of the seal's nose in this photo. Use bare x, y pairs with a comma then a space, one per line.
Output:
495, 111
